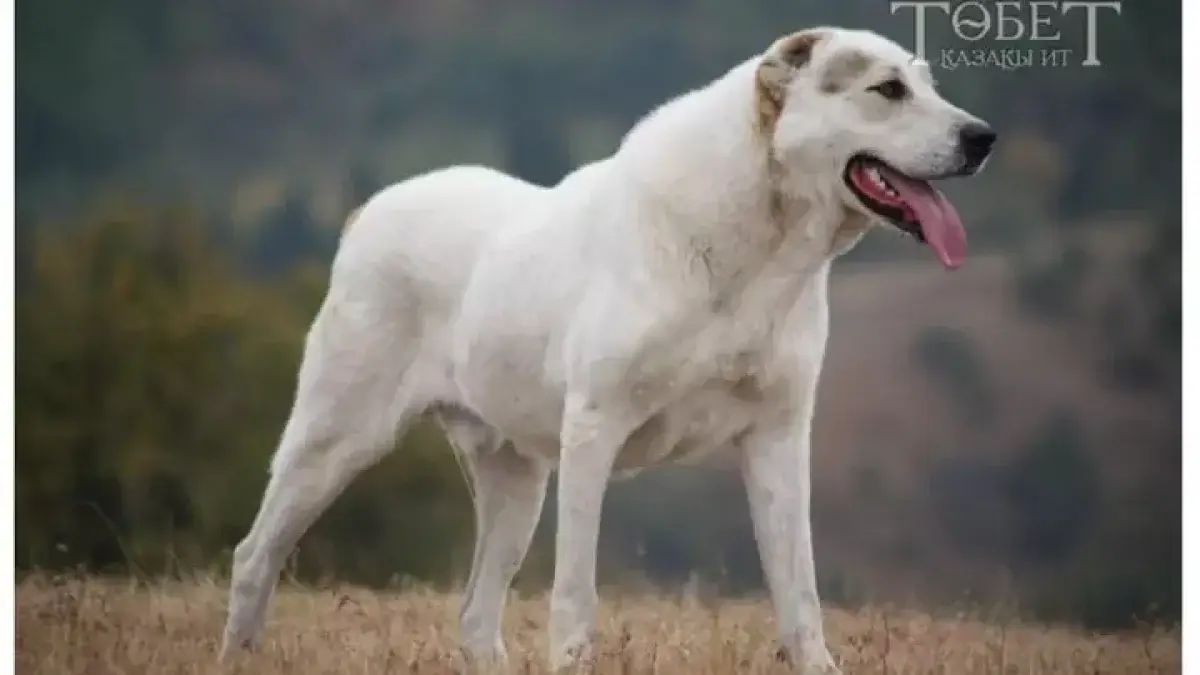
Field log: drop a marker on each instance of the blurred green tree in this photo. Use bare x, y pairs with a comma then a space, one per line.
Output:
151, 386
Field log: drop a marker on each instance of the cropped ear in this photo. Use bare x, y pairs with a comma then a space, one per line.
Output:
777, 68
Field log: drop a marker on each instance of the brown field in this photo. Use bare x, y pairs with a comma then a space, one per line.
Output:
95, 627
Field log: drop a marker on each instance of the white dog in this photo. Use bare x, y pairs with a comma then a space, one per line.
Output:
654, 306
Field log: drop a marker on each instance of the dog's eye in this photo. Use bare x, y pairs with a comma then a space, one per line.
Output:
892, 90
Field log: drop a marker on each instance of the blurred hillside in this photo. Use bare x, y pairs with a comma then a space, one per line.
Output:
1011, 430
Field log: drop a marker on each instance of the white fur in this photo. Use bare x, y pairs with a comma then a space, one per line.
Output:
657, 305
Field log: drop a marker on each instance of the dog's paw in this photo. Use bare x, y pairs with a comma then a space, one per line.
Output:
814, 660
578, 659
234, 645
492, 661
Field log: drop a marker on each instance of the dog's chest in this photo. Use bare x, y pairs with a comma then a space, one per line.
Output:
700, 422
720, 386
741, 366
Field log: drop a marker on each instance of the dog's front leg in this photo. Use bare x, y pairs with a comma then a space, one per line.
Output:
592, 435
777, 475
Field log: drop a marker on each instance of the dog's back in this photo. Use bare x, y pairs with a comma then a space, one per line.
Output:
421, 237
403, 263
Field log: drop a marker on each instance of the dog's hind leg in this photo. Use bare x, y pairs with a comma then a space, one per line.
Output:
508, 490
357, 389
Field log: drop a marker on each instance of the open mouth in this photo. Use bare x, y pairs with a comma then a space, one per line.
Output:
910, 204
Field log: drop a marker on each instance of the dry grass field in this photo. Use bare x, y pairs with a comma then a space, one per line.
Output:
93, 627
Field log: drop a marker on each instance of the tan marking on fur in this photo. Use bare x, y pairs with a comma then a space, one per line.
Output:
768, 107
351, 218
844, 69
775, 171
796, 49
747, 389
783, 56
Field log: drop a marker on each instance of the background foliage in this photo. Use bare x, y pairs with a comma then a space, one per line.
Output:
1009, 432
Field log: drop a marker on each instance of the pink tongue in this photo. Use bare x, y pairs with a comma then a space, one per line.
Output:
940, 223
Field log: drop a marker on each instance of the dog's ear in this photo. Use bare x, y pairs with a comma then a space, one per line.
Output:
778, 66
787, 55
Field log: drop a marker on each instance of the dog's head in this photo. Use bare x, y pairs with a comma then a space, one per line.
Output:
858, 111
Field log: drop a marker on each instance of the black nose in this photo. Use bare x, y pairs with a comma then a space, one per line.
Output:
976, 140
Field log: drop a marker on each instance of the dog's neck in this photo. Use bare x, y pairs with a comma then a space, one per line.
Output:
705, 161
